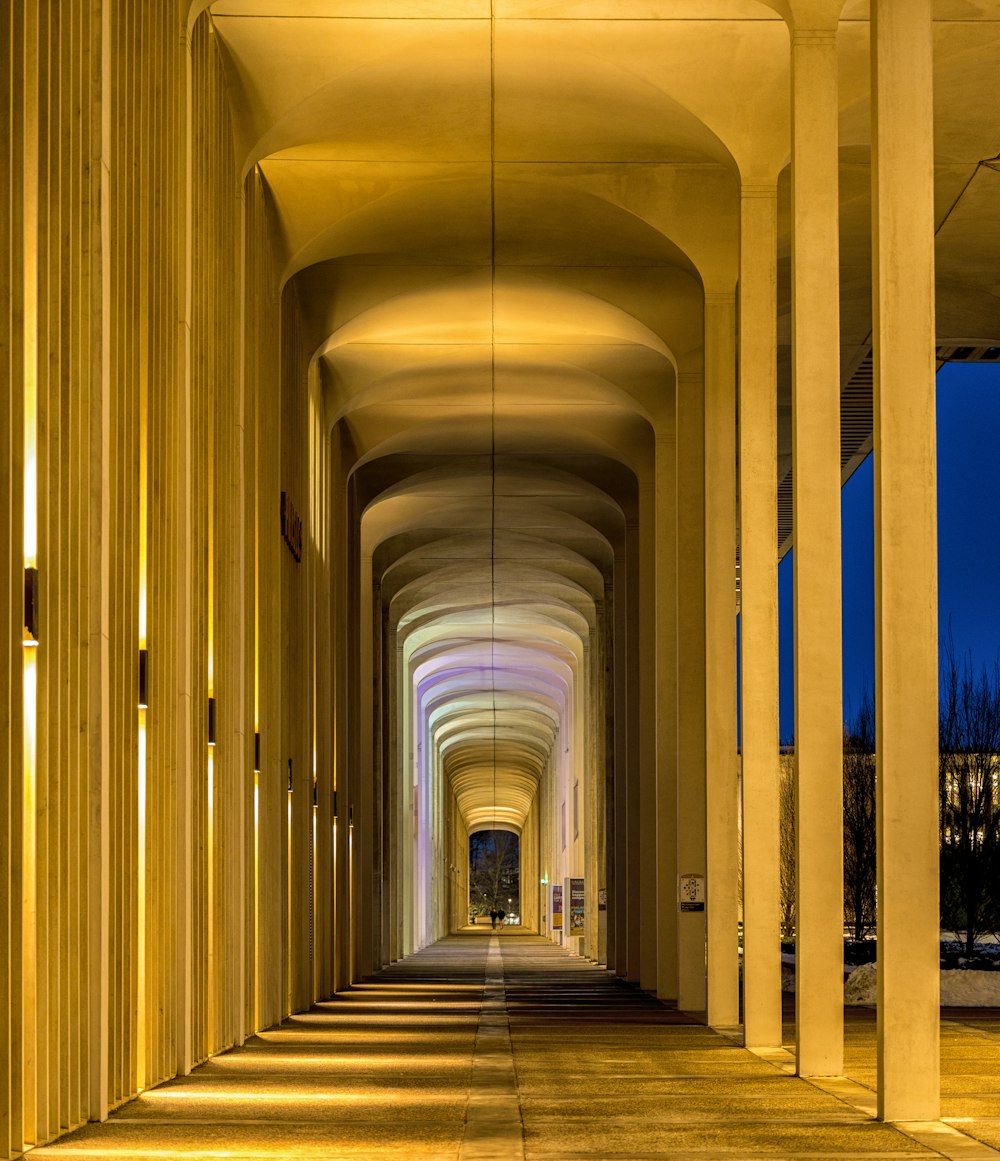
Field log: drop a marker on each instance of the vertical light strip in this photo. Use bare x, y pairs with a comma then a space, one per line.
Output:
256, 583
313, 563
314, 450
210, 894
333, 893
143, 505
30, 346
288, 904
313, 860
140, 1050
350, 898
258, 745
29, 892
141, 838
210, 578
315, 883
256, 900
210, 1007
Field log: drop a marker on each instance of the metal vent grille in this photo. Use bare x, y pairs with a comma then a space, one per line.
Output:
970, 352
856, 420
855, 441
785, 514
856, 417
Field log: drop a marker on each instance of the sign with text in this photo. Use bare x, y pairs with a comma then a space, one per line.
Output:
574, 889
557, 906
691, 892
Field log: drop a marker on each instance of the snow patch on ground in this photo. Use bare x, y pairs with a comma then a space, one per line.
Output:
860, 987
959, 989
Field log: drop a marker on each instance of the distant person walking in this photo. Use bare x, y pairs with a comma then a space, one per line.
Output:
493, 918
501, 915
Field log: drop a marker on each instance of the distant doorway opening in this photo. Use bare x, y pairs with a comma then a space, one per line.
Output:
495, 877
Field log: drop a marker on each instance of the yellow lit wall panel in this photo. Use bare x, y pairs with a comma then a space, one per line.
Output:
141, 321
12, 69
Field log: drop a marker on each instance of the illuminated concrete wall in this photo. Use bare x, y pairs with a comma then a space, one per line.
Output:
162, 893
55, 698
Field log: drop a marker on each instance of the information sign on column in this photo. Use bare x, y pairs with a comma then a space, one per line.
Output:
576, 909
691, 892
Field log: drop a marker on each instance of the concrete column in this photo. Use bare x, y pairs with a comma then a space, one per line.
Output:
603, 780
393, 838
906, 655
589, 790
634, 887
816, 501
339, 672
646, 767
692, 977
721, 794
665, 594
366, 820
618, 812
759, 618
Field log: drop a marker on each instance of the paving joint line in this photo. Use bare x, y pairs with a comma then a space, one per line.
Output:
944, 1139
972, 1029
937, 1135
494, 1129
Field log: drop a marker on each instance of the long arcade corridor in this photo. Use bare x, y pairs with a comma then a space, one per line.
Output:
495, 1048
405, 406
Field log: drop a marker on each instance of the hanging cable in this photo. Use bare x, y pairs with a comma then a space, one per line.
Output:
493, 399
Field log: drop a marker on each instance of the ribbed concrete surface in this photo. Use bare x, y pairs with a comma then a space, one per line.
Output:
488, 1048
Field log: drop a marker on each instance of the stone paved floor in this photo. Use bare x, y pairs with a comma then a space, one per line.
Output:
494, 1049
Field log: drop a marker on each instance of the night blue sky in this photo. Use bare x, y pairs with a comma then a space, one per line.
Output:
968, 417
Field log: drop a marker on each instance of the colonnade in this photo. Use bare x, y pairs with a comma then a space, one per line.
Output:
906, 629
237, 777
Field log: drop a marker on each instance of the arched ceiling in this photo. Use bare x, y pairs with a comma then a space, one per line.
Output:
495, 709
491, 575
499, 218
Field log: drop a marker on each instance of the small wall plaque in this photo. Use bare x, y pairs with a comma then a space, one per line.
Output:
691, 892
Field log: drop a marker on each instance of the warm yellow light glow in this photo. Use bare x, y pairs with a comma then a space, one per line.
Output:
143, 507
140, 1051
256, 900
334, 933
142, 599
258, 1062
311, 1095
30, 492
315, 889
29, 895
30, 349
288, 911
256, 582
210, 891
314, 886
413, 988
210, 562
27, 1065
350, 893
133, 1152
